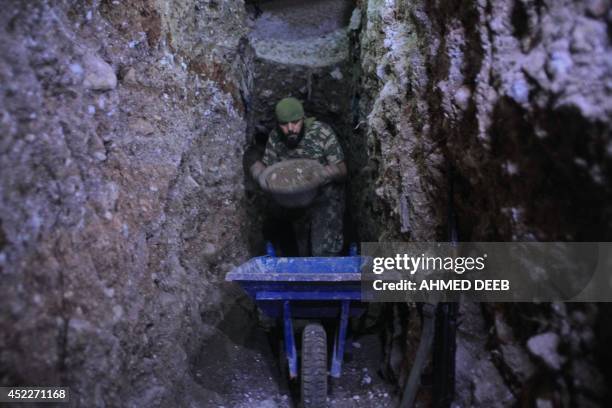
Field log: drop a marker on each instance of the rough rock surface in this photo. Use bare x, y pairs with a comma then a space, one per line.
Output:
118, 210
514, 96
301, 50
511, 102
544, 346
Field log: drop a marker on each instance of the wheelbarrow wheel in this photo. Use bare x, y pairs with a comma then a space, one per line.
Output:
314, 366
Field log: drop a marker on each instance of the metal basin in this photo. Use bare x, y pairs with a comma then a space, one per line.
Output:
293, 183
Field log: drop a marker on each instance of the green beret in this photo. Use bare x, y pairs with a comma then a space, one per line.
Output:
289, 110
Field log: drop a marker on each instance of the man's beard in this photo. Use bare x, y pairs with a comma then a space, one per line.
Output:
293, 139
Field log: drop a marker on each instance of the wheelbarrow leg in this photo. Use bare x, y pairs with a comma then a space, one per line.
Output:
270, 250
289, 340
340, 340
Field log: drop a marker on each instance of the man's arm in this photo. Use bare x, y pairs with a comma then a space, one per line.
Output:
256, 171
271, 151
335, 173
269, 157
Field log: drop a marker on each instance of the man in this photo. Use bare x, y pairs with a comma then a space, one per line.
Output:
297, 137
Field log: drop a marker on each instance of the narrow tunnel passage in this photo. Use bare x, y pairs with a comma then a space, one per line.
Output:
124, 202
299, 49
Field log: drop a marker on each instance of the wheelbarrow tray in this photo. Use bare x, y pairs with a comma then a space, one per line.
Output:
313, 284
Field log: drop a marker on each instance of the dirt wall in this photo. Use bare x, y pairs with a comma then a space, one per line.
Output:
514, 96
118, 206
508, 101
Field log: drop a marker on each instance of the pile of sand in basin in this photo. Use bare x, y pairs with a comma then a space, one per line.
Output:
293, 176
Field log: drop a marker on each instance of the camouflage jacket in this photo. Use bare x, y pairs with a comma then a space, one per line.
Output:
319, 143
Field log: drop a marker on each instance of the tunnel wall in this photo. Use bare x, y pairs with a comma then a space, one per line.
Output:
514, 96
510, 100
323, 90
118, 206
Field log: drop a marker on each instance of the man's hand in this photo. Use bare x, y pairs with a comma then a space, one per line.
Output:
256, 171
263, 182
333, 173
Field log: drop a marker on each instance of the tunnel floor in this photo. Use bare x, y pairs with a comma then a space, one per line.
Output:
247, 375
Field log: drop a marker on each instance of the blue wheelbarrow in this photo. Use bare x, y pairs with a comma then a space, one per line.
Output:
310, 288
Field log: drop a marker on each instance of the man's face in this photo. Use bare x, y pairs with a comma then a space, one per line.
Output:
292, 131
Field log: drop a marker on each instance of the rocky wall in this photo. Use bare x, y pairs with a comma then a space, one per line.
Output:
301, 49
514, 96
510, 102
318, 81
118, 205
